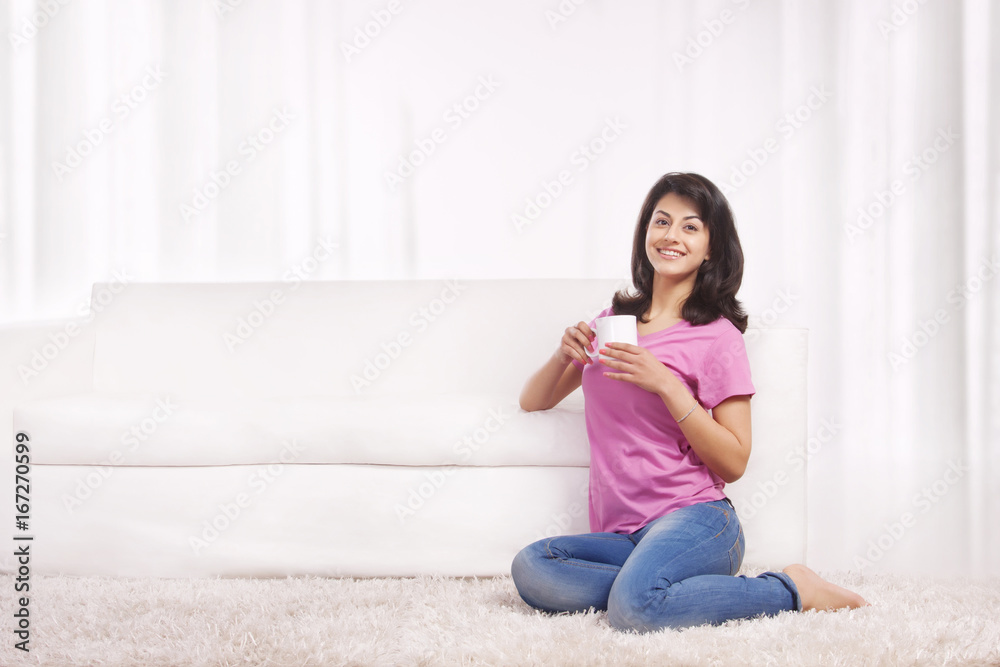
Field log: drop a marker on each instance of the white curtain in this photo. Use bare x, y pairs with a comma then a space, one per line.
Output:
206, 140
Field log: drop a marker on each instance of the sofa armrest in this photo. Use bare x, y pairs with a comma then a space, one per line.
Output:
45, 359
38, 360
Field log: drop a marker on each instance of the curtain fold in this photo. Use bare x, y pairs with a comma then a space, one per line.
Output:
981, 255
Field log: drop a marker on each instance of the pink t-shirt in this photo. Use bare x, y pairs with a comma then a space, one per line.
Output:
641, 465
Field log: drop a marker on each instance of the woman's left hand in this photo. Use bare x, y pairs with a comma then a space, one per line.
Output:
637, 365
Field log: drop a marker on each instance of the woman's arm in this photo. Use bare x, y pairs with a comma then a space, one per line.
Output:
558, 377
721, 439
722, 443
551, 384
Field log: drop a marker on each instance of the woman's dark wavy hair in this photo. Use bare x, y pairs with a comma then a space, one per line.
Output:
718, 279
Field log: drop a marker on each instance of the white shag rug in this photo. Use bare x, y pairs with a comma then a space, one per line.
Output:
443, 621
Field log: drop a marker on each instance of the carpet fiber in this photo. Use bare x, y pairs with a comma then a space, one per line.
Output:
439, 621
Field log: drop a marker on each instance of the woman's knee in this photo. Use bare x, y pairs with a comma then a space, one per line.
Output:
644, 609
635, 616
628, 611
524, 570
527, 559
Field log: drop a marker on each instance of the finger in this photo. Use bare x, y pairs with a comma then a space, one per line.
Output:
574, 352
583, 336
572, 344
585, 329
616, 352
613, 363
573, 348
625, 347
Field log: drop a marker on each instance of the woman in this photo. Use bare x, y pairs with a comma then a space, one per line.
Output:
669, 425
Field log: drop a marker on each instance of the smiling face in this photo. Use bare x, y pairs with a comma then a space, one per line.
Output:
676, 239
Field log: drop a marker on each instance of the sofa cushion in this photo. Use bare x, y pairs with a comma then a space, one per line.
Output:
339, 338
417, 430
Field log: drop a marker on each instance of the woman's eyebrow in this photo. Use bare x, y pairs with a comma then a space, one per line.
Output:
689, 217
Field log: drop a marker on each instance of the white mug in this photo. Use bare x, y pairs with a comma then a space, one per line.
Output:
614, 329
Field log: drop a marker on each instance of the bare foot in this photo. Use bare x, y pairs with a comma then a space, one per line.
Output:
818, 593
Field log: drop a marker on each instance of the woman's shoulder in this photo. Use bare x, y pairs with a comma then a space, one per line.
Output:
719, 338
718, 328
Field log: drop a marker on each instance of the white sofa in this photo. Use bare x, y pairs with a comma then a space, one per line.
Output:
352, 428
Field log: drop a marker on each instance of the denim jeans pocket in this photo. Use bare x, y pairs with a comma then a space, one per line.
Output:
736, 553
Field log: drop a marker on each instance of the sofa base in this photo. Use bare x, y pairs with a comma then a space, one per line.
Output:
297, 519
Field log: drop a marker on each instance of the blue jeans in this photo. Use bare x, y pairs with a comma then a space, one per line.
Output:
676, 571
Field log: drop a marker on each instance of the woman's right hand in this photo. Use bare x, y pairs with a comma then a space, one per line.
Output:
575, 343
558, 378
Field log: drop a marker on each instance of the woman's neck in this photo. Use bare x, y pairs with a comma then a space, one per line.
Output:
668, 298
